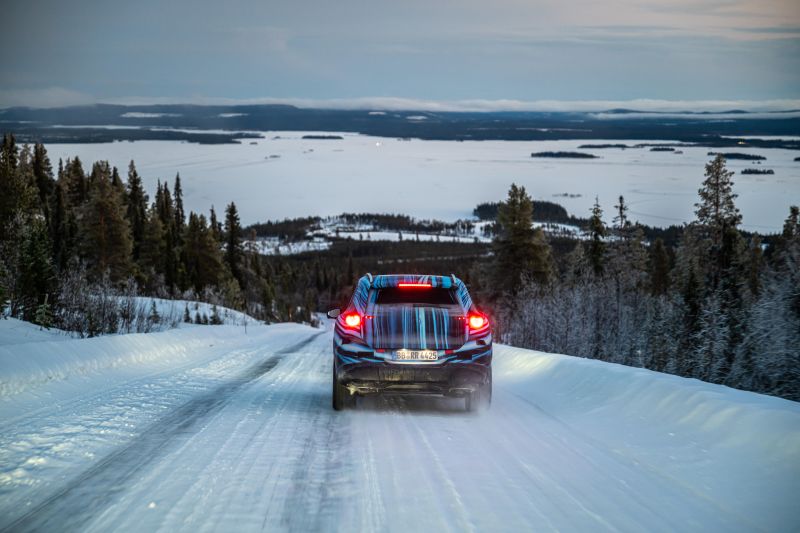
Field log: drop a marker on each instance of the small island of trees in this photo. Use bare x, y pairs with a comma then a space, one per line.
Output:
758, 171
740, 156
600, 146
565, 155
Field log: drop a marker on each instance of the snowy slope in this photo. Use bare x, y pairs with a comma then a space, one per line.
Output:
13, 331
173, 311
209, 428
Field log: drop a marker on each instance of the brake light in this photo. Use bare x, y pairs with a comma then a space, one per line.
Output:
477, 321
352, 320
414, 285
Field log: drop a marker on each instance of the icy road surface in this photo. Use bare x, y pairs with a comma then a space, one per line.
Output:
237, 433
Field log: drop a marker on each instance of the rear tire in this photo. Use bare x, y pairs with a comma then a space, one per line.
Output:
481, 398
341, 397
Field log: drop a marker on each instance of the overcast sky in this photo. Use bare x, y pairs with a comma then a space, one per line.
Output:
78, 51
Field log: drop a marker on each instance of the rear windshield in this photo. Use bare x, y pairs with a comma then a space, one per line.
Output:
434, 296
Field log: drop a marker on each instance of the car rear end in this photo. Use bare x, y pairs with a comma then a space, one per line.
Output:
408, 334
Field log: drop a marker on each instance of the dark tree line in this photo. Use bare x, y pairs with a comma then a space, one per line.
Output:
718, 306
56, 223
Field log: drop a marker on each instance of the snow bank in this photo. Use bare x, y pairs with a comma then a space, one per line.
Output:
13, 331
173, 310
27, 365
733, 448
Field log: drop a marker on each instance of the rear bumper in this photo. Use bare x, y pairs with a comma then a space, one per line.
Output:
459, 375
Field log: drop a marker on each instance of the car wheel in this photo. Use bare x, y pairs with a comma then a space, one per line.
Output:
341, 396
336, 393
481, 398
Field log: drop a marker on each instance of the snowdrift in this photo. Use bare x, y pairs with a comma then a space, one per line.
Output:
28, 365
733, 448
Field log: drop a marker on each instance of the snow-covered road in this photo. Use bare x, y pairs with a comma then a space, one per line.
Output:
240, 436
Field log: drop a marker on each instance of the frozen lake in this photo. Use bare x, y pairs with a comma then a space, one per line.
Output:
440, 179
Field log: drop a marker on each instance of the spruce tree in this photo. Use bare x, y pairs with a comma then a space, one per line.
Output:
63, 227
204, 265
166, 213
43, 174
44, 314
180, 215
717, 217
755, 265
597, 231
214, 225
233, 243
75, 182
152, 255
659, 268
179, 229
136, 209
36, 275
118, 186
105, 234
17, 194
621, 218
521, 251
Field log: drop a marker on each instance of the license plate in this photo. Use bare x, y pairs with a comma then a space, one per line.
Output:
416, 355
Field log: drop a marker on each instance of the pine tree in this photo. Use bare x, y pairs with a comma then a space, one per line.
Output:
36, 276
166, 213
717, 215
63, 227
136, 209
179, 226
44, 314
755, 265
43, 174
152, 255
153, 317
17, 194
215, 320
215, 226
521, 251
105, 233
597, 230
204, 265
180, 215
118, 186
233, 243
659, 269
621, 219
75, 183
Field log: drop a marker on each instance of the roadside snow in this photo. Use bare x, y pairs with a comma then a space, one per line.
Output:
173, 311
13, 331
64, 405
736, 450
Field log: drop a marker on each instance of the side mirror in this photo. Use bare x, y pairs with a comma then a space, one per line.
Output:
333, 313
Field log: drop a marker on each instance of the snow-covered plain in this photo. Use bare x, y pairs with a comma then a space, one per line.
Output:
214, 429
440, 179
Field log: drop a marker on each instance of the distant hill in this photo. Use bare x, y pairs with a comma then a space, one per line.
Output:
187, 122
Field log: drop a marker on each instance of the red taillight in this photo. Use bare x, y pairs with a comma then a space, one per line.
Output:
414, 285
477, 321
352, 320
